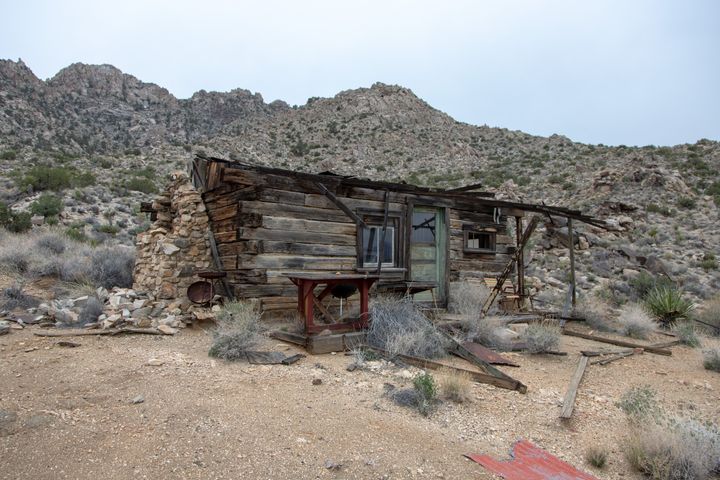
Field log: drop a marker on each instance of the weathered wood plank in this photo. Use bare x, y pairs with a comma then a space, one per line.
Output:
300, 225
295, 211
620, 343
228, 236
270, 246
569, 401
295, 236
234, 248
223, 213
297, 262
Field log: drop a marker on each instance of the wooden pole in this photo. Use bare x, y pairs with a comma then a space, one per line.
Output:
572, 260
569, 401
521, 260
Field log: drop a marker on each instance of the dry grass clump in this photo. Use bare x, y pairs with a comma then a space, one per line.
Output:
687, 334
237, 332
51, 253
596, 456
455, 385
711, 359
596, 313
635, 322
15, 297
399, 327
675, 448
710, 316
541, 337
467, 299
668, 447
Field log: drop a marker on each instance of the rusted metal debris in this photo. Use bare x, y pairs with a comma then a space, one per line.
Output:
488, 355
530, 462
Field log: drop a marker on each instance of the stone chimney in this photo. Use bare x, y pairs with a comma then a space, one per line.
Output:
176, 246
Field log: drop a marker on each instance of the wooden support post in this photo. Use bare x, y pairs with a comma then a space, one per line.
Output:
521, 261
323, 189
572, 260
569, 401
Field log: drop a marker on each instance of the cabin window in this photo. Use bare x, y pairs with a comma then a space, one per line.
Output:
372, 244
479, 242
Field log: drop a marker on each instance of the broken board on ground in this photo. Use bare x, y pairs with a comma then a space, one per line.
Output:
318, 344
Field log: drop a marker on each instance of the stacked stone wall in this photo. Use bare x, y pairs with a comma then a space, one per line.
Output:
176, 247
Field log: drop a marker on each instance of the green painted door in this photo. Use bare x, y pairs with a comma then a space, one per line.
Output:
428, 240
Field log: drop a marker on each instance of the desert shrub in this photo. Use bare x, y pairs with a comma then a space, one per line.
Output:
426, 388
644, 282
635, 321
667, 304
90, 312
237, 332
47, 205
686, 333
16, 222
112, 267
8, 155
107, 228
595, 311
467, 298
15, 257
141, 184
455, 385
541, 337
711, 359
43, 177
687, 203
710, 316
709, 262
53, 242
596, 456
638, 402
399, 327
675, 448
15, 297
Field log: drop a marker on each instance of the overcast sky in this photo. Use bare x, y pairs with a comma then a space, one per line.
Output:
628, 72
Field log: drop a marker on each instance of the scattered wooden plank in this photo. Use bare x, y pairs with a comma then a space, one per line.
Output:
110, 331
476, 376
621, 343
569, 401
619, 356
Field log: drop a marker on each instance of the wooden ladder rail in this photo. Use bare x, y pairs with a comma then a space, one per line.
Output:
508, 268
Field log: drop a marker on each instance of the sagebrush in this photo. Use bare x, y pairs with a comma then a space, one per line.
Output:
595, 311
711, 359
399, 327
709, 315
635, 321
541, 337
455, 385
238, 331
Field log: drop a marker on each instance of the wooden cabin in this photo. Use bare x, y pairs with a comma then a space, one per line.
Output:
269, 223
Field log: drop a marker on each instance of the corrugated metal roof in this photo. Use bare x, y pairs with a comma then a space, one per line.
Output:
530, 462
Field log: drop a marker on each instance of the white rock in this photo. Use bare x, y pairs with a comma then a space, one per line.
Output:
167, 330
169, 248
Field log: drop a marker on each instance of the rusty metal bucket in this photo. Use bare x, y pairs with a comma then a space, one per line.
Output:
201, 292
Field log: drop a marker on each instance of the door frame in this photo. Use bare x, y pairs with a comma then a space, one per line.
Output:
444, 282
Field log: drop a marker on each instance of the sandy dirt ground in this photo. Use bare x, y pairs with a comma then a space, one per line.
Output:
68, 412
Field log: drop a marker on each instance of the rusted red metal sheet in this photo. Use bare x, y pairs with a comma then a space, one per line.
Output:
530, 462
488, 355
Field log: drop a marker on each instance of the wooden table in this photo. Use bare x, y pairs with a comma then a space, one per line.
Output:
308, 300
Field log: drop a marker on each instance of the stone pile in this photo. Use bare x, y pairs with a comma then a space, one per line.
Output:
176, 247
117, 308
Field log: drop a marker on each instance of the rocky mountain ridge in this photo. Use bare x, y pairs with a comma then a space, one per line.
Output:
662, 200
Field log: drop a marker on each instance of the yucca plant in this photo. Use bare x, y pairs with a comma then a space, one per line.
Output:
667, 304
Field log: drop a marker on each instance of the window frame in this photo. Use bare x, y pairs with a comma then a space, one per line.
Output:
374, 218
492, 236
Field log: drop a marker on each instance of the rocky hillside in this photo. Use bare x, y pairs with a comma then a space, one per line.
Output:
662, 199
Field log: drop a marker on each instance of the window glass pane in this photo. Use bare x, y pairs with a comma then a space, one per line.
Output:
479, 241
369, 246
423, 227
388, 250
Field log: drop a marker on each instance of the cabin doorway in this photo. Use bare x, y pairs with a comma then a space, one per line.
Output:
428, 252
